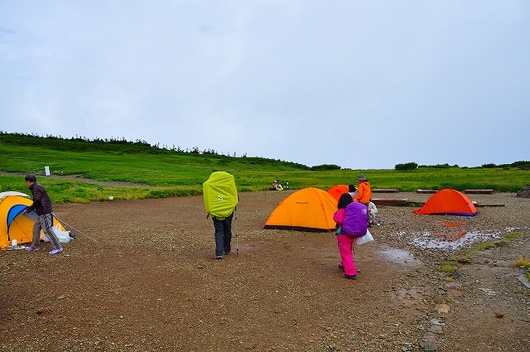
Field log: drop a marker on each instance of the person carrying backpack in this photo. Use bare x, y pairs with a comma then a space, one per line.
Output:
355, 224
220, 201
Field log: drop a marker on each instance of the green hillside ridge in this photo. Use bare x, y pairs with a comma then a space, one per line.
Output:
93, 170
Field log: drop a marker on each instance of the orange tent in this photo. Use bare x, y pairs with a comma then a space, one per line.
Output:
309, 209
337, 190
448, 202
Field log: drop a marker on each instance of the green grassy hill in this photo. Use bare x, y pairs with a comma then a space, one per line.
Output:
85, 171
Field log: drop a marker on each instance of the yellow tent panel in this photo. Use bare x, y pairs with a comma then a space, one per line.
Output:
14, 225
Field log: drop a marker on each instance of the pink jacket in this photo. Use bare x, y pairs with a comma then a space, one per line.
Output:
338, 216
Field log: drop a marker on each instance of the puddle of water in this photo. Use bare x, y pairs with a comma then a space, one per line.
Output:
398, 256
451, 240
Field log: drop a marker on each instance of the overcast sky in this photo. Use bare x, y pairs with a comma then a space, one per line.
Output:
359, 84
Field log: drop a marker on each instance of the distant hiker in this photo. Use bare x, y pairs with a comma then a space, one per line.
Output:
364, 191
220, 201
277, 185
354, 225
42, 204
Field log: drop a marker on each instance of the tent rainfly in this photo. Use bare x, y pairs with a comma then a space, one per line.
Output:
448, 202
338, 190
308, 209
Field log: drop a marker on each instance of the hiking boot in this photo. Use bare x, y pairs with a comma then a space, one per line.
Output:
341, 267
56, 251
218, 257
32, 249
351, 277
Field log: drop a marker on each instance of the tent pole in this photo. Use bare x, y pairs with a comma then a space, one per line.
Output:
237, 234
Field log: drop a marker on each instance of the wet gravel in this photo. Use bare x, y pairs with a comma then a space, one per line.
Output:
142, 277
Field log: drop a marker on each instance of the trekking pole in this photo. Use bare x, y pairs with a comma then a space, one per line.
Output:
237, 235
73, 228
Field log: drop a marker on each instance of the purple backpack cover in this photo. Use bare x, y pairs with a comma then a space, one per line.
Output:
356, 220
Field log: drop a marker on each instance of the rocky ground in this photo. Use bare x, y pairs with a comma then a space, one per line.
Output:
141, 276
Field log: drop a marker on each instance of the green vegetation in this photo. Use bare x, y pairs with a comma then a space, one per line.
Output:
406, 166
92, 170
464, 255
450, 266
524, 263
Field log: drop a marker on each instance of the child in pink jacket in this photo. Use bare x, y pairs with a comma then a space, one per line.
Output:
352, 221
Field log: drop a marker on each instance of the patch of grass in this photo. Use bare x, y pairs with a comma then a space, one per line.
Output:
513, 235
523, 263
450, 267
464, 255
486, 245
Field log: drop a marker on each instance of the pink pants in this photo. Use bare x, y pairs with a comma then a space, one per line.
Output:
345, 243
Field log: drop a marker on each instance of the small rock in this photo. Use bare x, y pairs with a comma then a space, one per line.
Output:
436, 322
429, 346
453, 285
436, 329
524, 193
499, 314
442, 308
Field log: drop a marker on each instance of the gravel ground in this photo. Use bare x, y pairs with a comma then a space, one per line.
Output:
141, 276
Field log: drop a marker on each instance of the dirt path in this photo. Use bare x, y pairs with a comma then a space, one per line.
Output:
143, 277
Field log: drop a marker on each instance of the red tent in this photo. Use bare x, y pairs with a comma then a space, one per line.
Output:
448, 202
337, 190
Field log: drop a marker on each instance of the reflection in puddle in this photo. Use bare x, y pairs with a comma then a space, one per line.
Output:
398, 256
451, 240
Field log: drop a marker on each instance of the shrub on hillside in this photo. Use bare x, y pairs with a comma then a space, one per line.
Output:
325, 167
523, 164
440, 166
406, 166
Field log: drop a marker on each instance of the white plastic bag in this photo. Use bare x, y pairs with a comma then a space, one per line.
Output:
62, 236
367, 238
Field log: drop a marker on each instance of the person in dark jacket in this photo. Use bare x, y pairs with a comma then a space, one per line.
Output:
42, 204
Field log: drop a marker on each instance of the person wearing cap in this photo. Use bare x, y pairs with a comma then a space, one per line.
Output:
42, 204
364, 191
